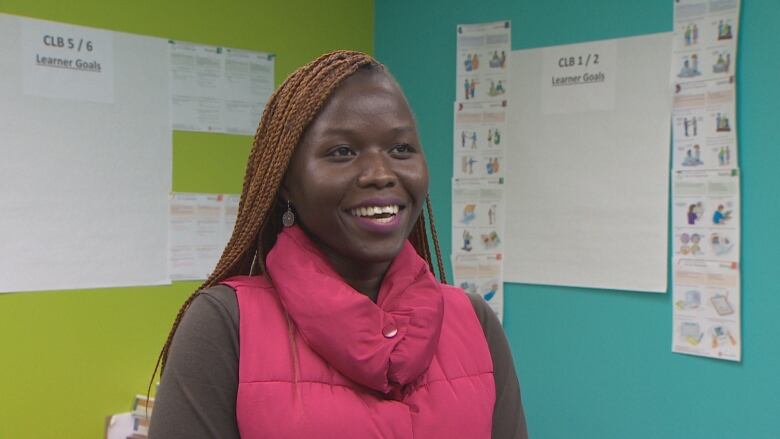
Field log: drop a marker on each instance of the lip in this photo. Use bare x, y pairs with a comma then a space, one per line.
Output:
372, 226
383, 228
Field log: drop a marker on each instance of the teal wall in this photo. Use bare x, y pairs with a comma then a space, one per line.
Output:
596, 363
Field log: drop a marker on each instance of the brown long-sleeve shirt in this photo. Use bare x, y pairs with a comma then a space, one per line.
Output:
197, 395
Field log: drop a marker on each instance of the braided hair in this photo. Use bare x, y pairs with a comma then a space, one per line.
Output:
289, 111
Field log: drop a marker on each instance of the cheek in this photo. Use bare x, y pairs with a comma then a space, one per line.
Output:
317, 193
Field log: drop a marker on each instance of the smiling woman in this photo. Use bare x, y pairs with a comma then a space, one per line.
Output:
323, 317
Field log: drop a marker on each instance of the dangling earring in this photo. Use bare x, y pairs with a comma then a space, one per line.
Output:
288, 217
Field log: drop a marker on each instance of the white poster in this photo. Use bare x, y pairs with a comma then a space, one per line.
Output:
218, 89
63, 61
587, 189
83, 184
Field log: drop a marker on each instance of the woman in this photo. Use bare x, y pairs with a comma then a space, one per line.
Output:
323, 318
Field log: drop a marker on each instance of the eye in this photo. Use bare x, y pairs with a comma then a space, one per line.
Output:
341, 151
402, 150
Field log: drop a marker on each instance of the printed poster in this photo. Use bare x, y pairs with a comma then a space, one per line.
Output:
705, 190
200, 227
479, 140
219, 89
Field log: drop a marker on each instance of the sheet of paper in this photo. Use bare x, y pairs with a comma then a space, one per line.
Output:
84, 187
705, 186
587, 189
218, 89
63, 61
200, 227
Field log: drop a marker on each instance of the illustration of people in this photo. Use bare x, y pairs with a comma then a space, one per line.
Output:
503, 59
469, 213
693, 156
721, 215
467, 87
496, 137
690, 67
490, 240
467, 164
692, 216
722, 64
467, 62
722, 123
492, 91
495, 60
500, 88
467, 237
724, 30
690, 126
691, 34
492, 166
472, 88
473, 140
492, 214
490, 136
720, 245
474, 62
462, 139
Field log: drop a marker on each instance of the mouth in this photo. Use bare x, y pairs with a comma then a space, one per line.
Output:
378, 216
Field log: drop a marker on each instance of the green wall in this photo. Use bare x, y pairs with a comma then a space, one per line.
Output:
597, 363
69, 358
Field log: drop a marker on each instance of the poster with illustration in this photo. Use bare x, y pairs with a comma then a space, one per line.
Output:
704, 131
706, 301
705, 186
706, 261
479, 139
477, 216
482, 55
482, 275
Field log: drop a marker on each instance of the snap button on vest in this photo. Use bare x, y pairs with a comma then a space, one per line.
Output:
390, 330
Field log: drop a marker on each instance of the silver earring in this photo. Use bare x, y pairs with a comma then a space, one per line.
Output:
288, 217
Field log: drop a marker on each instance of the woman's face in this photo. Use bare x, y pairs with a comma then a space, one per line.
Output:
358, 178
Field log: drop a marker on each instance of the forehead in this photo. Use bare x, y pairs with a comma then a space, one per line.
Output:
369, 96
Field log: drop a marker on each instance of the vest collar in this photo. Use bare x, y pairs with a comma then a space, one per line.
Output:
383, 345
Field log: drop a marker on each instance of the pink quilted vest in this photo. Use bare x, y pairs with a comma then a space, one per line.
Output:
320, 360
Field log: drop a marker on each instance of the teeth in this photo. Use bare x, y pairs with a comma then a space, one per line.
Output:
376, 210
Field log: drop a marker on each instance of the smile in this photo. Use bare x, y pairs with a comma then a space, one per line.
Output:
378, 214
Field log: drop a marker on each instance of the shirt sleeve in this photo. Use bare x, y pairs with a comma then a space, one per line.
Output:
197, 394
508, 415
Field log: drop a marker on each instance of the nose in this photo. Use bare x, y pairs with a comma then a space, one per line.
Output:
376, 170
